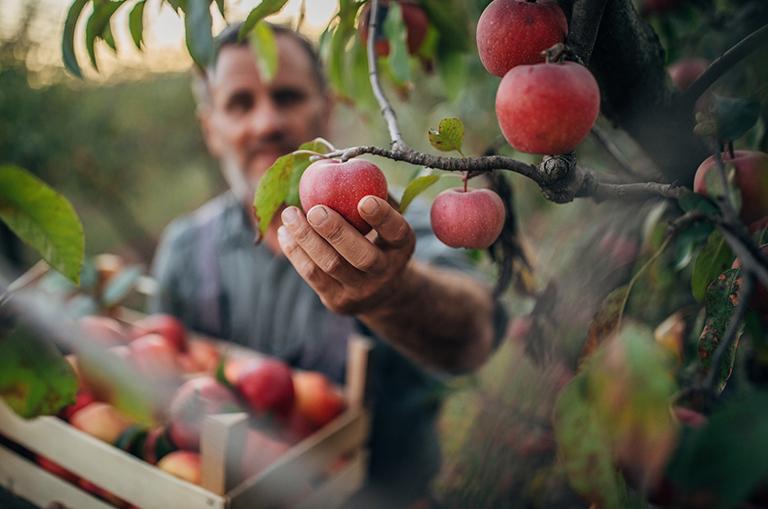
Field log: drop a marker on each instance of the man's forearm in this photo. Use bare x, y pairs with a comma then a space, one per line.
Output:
439, 317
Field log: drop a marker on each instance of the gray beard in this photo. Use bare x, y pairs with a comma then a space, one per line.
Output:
239, 184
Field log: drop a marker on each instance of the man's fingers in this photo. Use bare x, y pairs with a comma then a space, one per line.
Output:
345, 239
320, 282
321, 252
388, 222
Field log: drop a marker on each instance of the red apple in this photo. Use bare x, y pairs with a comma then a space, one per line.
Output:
684, 72
471, 219
751, 178
56, 469
100, 420
193, 401
268, 387
260, 451
204, 354
83, 399
235, 367
182, 464
103, 330
167, 326
547, 108
154, 356
316, 398
341, 186
516, 32
414, 18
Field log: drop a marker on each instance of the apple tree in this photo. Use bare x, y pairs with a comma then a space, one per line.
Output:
654, 350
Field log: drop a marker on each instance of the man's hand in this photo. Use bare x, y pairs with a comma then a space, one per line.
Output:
351, 273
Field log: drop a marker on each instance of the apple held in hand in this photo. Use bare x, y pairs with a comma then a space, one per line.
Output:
547, 108
471, 219
267, 387
341, 186
751, 178
516, 32
414, 19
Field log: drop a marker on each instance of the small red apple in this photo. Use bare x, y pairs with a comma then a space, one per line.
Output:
204, 354
103, 330
516, 32
100, 420
547, 108
167, 326
316, 398
414, 18
235, 367
182, 464
341, 186
751, 178
193, 401
154, 356
471, 219
83, 399
684, 72
268, 387
56, 469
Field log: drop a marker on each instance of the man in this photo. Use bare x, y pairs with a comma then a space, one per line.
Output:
314, 278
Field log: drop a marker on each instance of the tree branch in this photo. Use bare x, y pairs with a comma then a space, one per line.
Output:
387, 111
585, 21
722, 64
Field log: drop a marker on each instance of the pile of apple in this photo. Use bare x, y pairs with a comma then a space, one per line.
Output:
285, 406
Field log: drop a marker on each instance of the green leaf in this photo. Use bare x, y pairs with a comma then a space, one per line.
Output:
453, 71
719, 301
415, 188
690, 202
264, 46
687, 241
452, 21
121, 285
395, 32
725, 458
97, 24
448, 136
68, 38
606, 320
277, 183
43, 219
711, 261
336, 58
734, 116
197, 24
258, 13
136, 23
35, 379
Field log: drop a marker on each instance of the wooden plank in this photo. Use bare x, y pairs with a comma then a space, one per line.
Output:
114, 470
339, 487
358, 353
221, 449
303, 464
28, 481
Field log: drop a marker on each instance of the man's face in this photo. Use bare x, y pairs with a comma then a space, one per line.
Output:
250, 123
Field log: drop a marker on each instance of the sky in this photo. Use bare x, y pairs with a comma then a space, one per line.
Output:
163, 32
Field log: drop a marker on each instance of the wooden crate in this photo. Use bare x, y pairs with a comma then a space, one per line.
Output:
323, 470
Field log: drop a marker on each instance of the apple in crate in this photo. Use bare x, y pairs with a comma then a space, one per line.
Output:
267, 387
83, 399
103, 330
100, 420
316, 398
182, 464
166, 326
155, 357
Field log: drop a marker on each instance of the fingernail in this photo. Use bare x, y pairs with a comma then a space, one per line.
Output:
369, 205
289, 215
317, 215
282, 235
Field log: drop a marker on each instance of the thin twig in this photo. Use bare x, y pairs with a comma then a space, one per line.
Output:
386, 108
722, 64
636, 191
614, 152
585, 22
731, 332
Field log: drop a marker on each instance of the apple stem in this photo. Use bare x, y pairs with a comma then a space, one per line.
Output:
465, 178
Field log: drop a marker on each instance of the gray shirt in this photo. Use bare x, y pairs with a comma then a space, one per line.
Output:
212, 276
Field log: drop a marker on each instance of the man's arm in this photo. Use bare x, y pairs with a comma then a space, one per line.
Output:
440, 317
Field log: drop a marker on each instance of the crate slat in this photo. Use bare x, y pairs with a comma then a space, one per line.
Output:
339, 487
28, 481
127, 477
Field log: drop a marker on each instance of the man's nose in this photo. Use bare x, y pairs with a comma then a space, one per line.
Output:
266, 119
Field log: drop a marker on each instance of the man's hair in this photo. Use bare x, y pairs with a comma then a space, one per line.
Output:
230, 37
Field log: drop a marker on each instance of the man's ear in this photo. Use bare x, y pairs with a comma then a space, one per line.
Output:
204, 116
